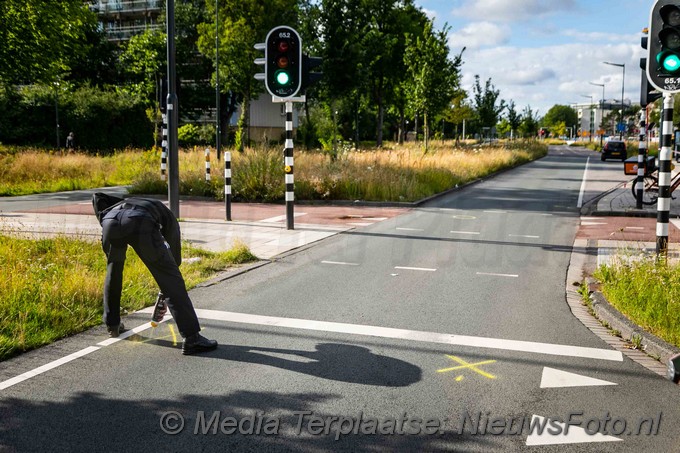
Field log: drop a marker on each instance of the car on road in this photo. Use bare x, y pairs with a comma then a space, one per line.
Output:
614, 149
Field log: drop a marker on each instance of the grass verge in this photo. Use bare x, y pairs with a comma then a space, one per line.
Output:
648, 293
391, 173
52, 288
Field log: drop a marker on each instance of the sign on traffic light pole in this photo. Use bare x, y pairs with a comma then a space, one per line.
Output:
663, 73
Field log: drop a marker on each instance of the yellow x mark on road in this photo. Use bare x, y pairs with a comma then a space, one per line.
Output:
470, 366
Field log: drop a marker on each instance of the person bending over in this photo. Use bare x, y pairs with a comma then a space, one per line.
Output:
152, 230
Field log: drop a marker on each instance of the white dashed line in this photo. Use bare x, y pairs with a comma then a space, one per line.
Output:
425, 269
341, 263
465, 232
47, 367
529, 236
410, 229
281, 218
492, 274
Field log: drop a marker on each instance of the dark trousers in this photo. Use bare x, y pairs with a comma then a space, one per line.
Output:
132, 227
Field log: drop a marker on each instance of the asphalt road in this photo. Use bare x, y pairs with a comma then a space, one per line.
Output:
452, 312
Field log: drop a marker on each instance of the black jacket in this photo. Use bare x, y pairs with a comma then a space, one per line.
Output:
167, 223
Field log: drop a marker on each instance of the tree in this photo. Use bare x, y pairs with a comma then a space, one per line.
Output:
514, 119
487, 110
41, 39
558, 117
529, 125
459, 111
143, 61
434, 77
242, 24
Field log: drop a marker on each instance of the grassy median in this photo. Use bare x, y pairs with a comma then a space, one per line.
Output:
52, 288
648, 293
391, 173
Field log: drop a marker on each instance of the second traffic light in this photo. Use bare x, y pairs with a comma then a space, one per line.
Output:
663, 58
283, 62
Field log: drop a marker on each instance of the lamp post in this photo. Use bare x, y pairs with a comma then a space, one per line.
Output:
591, 121
623, 85
218, 144
600, 85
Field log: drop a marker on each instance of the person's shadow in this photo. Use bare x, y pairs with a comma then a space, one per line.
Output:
335, 361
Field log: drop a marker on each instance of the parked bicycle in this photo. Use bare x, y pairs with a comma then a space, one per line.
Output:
651, 187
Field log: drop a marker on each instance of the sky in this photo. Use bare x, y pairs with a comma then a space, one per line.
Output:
540, 53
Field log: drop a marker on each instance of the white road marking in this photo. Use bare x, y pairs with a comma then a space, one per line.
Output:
360, 223
583, 185
426, 269
464, 217
634, 228
410, 229
496, 212
554, 378
49, 366
414, 335
342, 263
131, 332
465, 232
492, 274
593, 223
575, 435
281, 218
449, 209
529, 236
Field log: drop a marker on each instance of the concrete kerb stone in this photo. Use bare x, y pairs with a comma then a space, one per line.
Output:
652, 346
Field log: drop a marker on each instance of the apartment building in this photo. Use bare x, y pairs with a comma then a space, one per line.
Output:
122, 19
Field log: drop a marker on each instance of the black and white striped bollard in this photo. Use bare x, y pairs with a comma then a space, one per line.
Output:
164, 146
227, 184
288, 165
642, 158
207, 165
664, 201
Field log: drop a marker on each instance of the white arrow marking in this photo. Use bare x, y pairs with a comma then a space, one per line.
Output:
553, 378
575, 434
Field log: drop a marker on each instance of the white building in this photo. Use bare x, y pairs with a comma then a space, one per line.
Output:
591, 115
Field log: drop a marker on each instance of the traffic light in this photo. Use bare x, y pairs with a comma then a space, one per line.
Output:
283, 62
647, 94
663, 57
309, 76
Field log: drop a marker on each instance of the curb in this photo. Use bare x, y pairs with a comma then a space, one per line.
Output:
651, 344
582, 256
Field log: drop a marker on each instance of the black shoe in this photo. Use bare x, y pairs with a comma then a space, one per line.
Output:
114, 331
197, 343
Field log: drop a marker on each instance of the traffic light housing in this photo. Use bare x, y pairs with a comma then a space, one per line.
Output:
647, 93
663, 56
283, 62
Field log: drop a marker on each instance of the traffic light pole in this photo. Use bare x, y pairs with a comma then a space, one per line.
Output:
664, 201
288, 166
173, 116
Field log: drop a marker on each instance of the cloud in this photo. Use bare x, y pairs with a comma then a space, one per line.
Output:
512, 10
432, 14
596, 36
479, 34
555, 74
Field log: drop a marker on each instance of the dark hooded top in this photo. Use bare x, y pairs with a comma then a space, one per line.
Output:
155, 209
